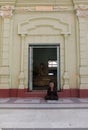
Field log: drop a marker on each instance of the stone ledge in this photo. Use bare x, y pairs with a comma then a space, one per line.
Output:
44, 106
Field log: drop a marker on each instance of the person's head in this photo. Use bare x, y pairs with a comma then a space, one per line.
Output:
51, 84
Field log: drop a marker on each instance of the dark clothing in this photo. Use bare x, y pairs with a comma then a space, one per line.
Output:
51, 95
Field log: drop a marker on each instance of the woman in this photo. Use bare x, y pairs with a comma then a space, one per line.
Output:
51, 92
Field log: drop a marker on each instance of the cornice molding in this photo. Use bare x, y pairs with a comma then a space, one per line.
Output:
44, 2
5, 2
21, 3
7, 10
24, 6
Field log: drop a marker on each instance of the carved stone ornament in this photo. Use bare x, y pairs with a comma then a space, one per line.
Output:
82, 7
82, 10
6, 11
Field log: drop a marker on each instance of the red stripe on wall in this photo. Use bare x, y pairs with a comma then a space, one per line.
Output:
83, 93
24, 93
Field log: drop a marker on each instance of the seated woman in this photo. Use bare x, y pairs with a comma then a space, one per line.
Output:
51, 92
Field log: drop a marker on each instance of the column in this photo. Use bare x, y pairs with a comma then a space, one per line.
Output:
21, 76
0, 40
82, 14
6, 35
6, 14
66, 75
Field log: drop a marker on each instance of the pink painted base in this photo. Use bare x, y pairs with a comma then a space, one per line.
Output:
83, 93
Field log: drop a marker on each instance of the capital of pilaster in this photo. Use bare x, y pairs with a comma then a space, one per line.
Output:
65, 35
23, 35
6, 11
81, 10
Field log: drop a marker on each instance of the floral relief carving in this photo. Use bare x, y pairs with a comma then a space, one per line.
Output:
6, 11
82, 10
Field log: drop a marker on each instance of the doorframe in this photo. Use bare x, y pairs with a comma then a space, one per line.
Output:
30, 62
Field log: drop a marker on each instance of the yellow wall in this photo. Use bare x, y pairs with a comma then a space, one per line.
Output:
26, 22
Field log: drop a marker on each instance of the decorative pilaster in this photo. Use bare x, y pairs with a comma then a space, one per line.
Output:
66, 75
6, 35
82, 14
6, 15
21, 77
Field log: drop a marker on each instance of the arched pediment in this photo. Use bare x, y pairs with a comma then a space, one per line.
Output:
44, 25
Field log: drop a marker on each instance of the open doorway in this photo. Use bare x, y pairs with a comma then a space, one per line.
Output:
44, 65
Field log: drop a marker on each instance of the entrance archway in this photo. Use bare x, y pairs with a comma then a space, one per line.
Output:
38, 28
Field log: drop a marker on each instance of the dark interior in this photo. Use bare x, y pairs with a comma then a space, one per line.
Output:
44, 67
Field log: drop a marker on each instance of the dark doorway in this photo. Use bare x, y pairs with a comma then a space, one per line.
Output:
44, 66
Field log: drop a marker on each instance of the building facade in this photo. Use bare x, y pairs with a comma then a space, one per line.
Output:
31, 28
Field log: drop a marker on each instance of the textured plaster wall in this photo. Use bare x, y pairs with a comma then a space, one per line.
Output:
43, 27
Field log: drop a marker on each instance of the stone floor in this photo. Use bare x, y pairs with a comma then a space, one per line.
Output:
38, 114
43, 118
